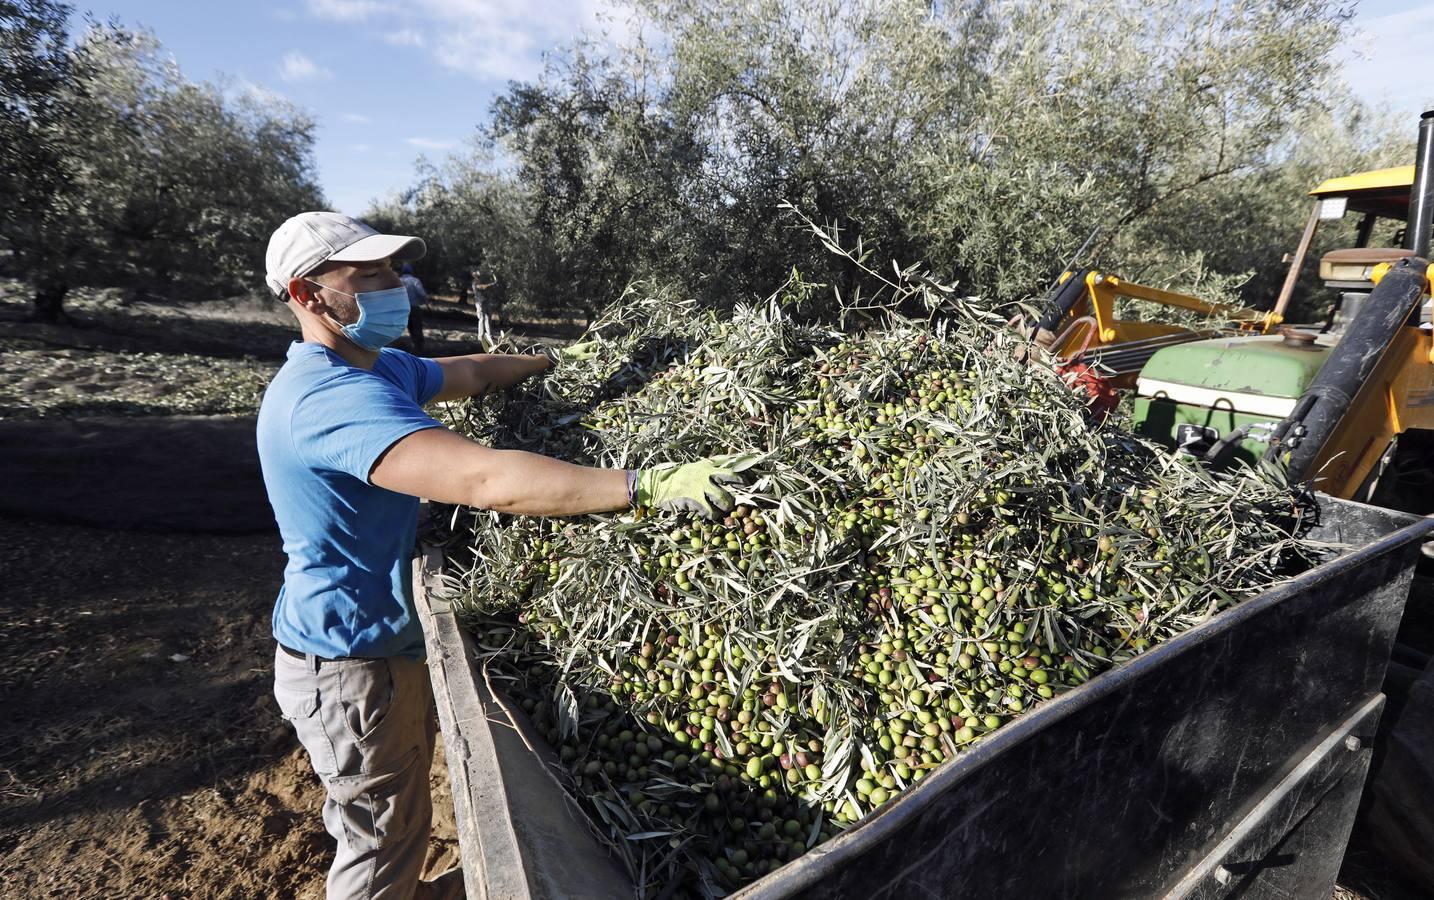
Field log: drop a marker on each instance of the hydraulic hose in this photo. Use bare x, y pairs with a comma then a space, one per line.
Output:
1062, 300
1221, 447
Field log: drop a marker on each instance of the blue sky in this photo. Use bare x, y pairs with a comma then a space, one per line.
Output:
390, 80
386, 80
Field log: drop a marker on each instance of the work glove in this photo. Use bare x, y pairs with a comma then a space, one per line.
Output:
697, 487
583, 350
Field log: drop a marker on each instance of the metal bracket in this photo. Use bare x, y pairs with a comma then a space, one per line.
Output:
1263, 855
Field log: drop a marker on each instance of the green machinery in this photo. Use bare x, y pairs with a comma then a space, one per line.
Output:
1348, 405
1195, 396
1332, 400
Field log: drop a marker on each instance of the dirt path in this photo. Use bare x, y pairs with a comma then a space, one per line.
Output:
140, 753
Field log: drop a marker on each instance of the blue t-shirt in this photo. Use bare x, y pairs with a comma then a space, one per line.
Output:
322, 426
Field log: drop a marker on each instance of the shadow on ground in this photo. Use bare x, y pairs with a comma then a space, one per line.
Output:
191, 473
118, 650
141, 753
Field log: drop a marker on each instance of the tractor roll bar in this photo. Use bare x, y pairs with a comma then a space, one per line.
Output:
1421, 194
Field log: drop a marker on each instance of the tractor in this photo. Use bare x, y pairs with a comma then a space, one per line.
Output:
1346, 403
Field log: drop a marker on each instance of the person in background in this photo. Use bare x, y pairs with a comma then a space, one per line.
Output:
347, 450
480, 288
417, 296
488, 296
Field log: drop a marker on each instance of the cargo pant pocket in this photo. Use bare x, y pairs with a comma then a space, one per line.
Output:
371, 805
296, 687
368, 693
296, 703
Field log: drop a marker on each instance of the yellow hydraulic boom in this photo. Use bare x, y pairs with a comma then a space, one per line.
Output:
1080, 322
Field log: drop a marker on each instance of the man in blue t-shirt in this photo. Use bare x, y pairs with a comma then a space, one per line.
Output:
346, 451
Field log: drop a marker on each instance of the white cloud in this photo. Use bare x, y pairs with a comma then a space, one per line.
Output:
347, 10
298, 67
487, 39
424, 143
361, 148
501, 41
405, 37
357, 119
1378, 69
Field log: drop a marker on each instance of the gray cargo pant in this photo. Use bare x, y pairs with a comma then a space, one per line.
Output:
369, 727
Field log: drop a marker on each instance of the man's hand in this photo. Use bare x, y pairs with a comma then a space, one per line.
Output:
692, 487
583, 350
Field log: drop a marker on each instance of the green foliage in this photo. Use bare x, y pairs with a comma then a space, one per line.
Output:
34, 66
930, 540
986, 139
1245, 224
474, 218
601, 167
147, 180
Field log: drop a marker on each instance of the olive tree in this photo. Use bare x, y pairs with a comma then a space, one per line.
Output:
986, 139
604, 172
1247, 223
35, 66
1114, 114
473, 217
152, 180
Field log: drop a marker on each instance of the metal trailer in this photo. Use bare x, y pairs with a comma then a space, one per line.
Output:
1226, 762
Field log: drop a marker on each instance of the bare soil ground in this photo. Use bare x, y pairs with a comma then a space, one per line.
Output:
151, 358
141, 754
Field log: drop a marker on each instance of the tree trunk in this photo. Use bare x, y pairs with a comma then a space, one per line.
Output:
50, 294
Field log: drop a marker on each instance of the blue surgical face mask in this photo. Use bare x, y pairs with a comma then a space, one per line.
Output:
383, 315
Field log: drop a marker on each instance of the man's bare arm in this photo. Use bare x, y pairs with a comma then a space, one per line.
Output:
481, 373
440, 465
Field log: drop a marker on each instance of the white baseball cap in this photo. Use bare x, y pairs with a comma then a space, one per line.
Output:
308, 240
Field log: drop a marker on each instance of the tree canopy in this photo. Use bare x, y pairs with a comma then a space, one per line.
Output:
126, 173
986, 139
